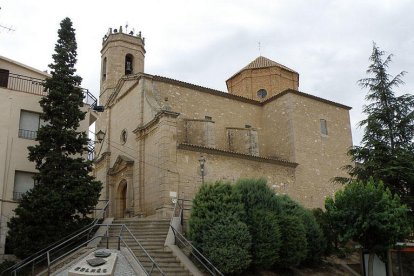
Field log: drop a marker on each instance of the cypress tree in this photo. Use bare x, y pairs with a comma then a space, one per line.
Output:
64, 191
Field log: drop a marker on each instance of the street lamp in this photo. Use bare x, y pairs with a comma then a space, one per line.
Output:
202, 161
100, 136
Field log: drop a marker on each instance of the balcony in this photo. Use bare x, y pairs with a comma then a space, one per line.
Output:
17, 196
35, 86
27, 134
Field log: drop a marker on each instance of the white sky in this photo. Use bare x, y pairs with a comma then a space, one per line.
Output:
204, 42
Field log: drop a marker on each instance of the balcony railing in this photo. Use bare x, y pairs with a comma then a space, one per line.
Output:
27, 134
35, 86
17, 196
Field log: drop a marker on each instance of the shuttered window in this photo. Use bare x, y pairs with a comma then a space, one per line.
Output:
23, 181
29, 124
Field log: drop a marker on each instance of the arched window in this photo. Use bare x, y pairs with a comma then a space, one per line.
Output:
104, 69
128, 64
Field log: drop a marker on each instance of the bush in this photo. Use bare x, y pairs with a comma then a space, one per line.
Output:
217, 230
256, 194
266, 238
227, 245
293, 249
314, 236
258, 201
330, 233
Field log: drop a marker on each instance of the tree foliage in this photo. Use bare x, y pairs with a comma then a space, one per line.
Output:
64, 191
217, 229
369, 214
387, 148
316, 241
294, 246
262, 220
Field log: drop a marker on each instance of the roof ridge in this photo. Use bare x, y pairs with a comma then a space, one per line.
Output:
263, 62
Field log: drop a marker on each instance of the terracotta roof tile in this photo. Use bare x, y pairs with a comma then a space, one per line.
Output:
262, 62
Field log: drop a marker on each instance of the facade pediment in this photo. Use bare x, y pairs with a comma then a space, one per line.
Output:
125, 85
121, 163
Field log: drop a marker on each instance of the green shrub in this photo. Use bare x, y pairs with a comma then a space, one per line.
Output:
217, 230
211, 203
255, 194
259, 203
314, 236
227, 245
266, 238
293, 248
330, 233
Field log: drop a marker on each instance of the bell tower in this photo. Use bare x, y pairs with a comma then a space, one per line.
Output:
122, 54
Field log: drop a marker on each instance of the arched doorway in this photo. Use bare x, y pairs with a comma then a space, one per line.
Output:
121, 199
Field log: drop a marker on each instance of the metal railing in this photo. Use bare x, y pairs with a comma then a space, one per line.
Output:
41, 257
27, 134
25, 84
186, 246
91, 150
17, 196
146, 257
35, 86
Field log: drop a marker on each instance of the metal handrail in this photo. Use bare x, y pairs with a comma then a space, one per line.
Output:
194, 251
107, 236
38, 255
35, 86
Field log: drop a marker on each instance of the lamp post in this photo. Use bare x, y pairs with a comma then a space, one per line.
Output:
100, 135
202, 161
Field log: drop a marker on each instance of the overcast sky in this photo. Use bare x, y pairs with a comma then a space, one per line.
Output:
205, 42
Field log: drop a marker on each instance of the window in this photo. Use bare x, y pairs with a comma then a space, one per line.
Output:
324, 127
262, 93
104, 69
29, 124
4, 77
124, 136
23, 181
128, 64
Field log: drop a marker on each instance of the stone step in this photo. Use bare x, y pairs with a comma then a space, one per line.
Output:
151, 233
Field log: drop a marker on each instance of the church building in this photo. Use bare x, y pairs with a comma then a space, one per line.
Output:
164, 138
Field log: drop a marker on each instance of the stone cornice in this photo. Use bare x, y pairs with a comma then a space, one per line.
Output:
191, 147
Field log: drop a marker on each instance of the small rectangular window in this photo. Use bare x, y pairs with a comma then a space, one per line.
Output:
324, 127
4, 78
29, 124
23, 181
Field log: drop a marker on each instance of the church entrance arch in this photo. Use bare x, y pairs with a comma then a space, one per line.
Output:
121, 199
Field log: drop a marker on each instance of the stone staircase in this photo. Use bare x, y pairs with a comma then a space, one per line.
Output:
151, 233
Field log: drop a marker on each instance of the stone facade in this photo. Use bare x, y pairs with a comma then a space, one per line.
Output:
157, 129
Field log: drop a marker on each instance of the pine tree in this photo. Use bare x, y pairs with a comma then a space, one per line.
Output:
64, 191
387, 148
